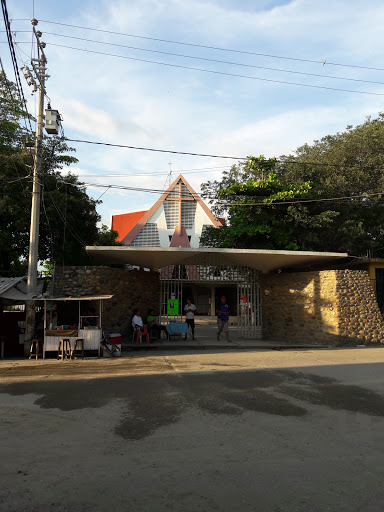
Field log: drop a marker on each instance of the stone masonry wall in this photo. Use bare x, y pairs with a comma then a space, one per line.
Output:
325, 307
130, 289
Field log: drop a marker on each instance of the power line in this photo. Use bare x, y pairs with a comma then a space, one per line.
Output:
216, 60
19, 85
284, 162
124, 175
12, 180
66, 223
48, 223
335, 199
217, 72
152, 149
197, 45
157, 191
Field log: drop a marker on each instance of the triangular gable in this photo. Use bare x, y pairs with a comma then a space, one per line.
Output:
199, 201
128, 239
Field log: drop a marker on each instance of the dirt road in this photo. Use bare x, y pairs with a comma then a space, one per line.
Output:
244, 431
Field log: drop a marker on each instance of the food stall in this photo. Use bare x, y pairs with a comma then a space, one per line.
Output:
72, 318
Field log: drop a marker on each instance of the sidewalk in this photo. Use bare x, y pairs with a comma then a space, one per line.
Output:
206, 338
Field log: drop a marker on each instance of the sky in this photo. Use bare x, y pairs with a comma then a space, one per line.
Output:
146, 104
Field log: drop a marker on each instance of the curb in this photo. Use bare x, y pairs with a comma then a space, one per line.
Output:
227, 346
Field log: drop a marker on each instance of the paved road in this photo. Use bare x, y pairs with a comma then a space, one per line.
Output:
238, 431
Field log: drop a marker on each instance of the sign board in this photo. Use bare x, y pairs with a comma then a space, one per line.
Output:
243, 300
173, 307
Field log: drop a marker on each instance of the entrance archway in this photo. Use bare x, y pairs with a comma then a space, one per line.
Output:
205, 279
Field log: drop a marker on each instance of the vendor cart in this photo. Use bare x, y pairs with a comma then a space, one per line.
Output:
87, 324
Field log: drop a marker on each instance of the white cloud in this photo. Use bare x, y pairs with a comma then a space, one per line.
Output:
141, 104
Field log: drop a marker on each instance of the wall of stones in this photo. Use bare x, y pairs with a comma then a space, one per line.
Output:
324, 307
130, 289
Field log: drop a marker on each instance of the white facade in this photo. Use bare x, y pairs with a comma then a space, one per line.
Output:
160, 227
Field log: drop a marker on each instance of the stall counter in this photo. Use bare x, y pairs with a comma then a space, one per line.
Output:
91, 337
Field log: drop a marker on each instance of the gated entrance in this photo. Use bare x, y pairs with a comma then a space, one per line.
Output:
206, 277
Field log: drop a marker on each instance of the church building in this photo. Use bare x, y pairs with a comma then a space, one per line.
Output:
177, 219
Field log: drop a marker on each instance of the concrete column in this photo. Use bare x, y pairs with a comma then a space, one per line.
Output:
213, 299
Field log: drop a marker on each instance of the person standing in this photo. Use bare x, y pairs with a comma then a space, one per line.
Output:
190, 312
223, 319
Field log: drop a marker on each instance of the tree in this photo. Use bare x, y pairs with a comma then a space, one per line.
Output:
348, 165
107, 236
68, 219
346, 210
260, 211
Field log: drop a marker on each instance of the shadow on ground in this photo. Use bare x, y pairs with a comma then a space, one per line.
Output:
153, 401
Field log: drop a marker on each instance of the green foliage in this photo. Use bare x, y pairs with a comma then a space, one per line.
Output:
334, 169
12, 119
107, 236
48, 268
68, 219
254, 221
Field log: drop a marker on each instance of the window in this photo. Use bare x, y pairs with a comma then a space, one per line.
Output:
148, 236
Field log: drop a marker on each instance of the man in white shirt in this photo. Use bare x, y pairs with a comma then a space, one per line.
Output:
190, 312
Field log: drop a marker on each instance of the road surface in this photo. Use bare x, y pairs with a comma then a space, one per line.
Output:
221, 431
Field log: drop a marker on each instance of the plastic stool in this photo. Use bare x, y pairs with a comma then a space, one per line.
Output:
35, 348
64, 349
79, 345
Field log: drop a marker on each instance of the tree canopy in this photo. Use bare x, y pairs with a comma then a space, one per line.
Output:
326, 196
68, 218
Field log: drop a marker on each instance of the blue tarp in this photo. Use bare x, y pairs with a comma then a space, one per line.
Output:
177, 327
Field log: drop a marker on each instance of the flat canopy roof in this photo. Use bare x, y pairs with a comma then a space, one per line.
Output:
83, 297
157, 257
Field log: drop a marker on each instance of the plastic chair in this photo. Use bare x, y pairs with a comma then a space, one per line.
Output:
139, 334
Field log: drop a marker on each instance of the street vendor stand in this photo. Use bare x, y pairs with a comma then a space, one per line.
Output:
88, 326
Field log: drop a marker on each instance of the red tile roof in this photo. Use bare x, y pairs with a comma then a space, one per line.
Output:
125, 222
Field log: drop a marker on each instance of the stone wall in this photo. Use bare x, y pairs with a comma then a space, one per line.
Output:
130, 289
325, 307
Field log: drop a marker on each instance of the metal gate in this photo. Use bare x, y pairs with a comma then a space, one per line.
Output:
215, 269
249, 304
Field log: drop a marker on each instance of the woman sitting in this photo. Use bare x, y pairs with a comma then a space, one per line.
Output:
138, 326
154, 326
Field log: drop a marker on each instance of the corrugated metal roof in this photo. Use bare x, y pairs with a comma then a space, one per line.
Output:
8, 282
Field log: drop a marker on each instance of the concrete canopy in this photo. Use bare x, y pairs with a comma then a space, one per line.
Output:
157, 257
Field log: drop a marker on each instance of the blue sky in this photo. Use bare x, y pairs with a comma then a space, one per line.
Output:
130, 102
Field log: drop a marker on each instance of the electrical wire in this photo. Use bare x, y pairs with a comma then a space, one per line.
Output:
151, 149
224, 73
66, 223
278, 203
309, 200
19, 85
127, 175
48, 222
284, 162
215, 60
11, 180
196, 45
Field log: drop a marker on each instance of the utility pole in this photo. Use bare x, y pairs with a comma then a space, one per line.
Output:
39, 67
